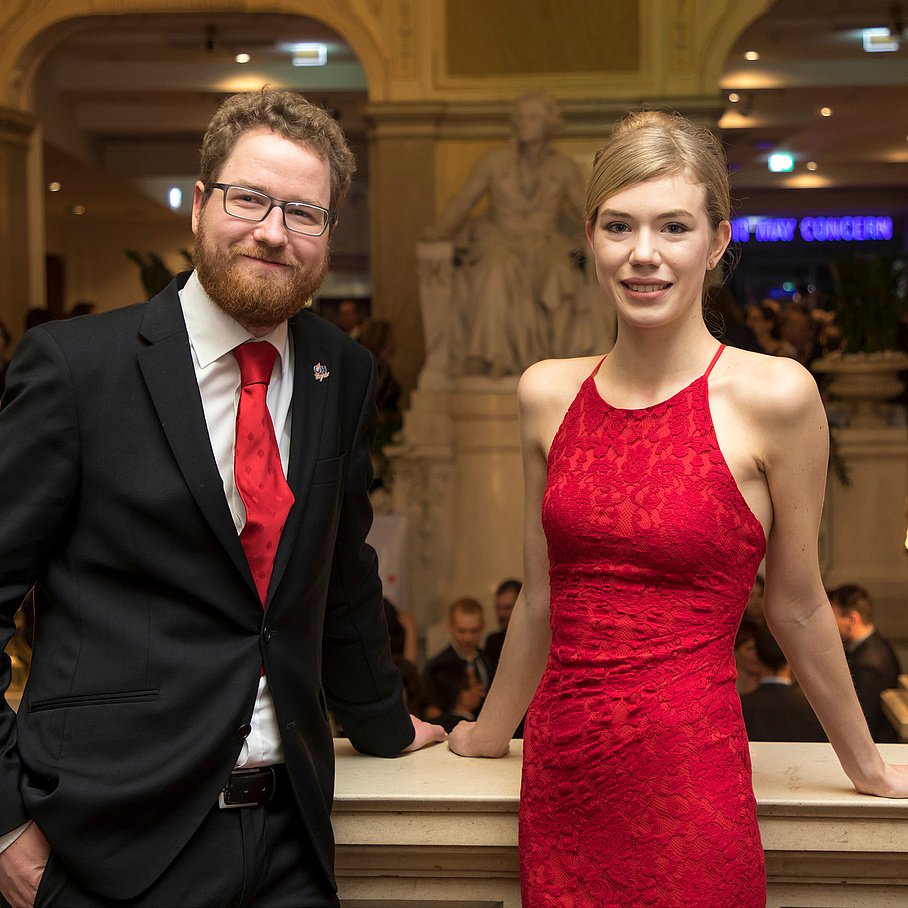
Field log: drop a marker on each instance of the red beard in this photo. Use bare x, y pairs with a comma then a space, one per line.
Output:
259, 301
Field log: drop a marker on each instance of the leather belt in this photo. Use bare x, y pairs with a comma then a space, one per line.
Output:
251, 787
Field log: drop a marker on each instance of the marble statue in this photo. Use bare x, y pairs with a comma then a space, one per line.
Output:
518, 292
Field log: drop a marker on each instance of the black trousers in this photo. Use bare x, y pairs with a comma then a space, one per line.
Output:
247, 856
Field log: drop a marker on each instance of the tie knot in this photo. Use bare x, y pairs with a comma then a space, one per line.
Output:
256, 361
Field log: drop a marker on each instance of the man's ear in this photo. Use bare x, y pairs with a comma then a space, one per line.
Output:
198, 194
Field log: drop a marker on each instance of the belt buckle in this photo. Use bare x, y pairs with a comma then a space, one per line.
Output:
236, 779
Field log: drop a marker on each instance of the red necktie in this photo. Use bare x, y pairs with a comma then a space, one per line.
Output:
257, 464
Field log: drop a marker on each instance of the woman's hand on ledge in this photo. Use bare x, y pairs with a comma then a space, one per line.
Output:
465, 742
893, 783
424, 734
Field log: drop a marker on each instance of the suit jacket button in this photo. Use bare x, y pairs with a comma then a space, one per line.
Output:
267, 634
243, 731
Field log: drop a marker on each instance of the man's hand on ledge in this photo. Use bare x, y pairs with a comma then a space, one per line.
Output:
424, 734
464, 741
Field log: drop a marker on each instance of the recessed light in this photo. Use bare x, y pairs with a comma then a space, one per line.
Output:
880, 40
242, 58
54, 186
811, 165
78, 209
734, 97
752, 55
826, 111
781, 163
311, 54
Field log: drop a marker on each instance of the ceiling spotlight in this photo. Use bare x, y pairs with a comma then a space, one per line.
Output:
826, 111
54, 187
734, 97
811, 165
752, 55
309, 55
78, 209
242, 58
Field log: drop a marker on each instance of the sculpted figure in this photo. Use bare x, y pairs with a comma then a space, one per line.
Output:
519, 286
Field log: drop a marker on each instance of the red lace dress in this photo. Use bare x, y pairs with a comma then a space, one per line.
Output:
636, 778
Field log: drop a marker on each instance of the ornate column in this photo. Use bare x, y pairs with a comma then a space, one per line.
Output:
402, 186
865, 523
16, 128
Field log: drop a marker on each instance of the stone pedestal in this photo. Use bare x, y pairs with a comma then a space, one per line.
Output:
865, 523
864, 384
458, 478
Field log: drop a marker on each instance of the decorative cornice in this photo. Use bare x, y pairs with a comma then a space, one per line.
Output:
492, 119
16, 127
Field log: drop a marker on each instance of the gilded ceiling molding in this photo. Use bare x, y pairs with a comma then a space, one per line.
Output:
32, 28
716, 43
16, 128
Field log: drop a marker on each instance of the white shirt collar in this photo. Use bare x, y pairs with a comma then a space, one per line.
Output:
212, 331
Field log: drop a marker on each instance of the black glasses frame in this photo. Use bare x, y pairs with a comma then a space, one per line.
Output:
330, 216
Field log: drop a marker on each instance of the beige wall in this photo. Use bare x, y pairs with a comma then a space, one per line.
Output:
97, 268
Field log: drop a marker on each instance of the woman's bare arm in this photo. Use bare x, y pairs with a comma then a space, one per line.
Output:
528, 639
796, 607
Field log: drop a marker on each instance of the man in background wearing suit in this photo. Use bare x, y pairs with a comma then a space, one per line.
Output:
184, 483
872, 661
505, 600
777, 710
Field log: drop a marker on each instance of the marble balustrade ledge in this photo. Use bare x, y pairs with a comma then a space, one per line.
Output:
432, 829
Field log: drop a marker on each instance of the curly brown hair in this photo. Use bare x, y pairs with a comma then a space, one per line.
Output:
285, 112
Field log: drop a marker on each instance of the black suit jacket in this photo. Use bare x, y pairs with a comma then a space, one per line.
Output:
777, 712
150, 636
874, 668
494, 646
449, 656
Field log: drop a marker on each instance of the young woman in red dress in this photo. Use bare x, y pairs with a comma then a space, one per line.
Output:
656, 478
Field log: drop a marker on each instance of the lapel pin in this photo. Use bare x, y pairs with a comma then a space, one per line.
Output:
321, 372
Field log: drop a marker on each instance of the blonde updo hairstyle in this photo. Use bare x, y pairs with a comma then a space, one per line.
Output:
652, 144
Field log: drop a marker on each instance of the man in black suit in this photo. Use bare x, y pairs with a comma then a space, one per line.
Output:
172, 746
872, 660
465, 625
776, 710
505, 599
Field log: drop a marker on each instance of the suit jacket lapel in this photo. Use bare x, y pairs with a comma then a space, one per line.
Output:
166, 365
310, 396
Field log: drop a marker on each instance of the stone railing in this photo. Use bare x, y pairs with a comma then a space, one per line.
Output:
435, 829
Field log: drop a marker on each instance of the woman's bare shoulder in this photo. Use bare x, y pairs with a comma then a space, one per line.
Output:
773, 388
551, 384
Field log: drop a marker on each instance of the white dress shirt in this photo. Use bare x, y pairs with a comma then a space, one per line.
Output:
212, 336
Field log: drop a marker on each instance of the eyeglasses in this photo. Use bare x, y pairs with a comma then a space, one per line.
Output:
252, 205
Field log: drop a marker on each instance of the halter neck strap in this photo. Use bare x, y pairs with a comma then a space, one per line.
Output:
709, 368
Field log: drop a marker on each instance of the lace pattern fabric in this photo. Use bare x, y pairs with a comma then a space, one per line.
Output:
637, 780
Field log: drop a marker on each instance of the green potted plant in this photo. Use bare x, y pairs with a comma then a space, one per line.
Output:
869, 303
153, 270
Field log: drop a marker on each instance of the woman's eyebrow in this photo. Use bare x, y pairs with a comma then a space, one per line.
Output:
666, 215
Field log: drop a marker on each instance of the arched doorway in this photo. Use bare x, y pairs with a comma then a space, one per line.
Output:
108, 111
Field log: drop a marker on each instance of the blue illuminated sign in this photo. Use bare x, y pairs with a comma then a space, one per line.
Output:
850, 228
